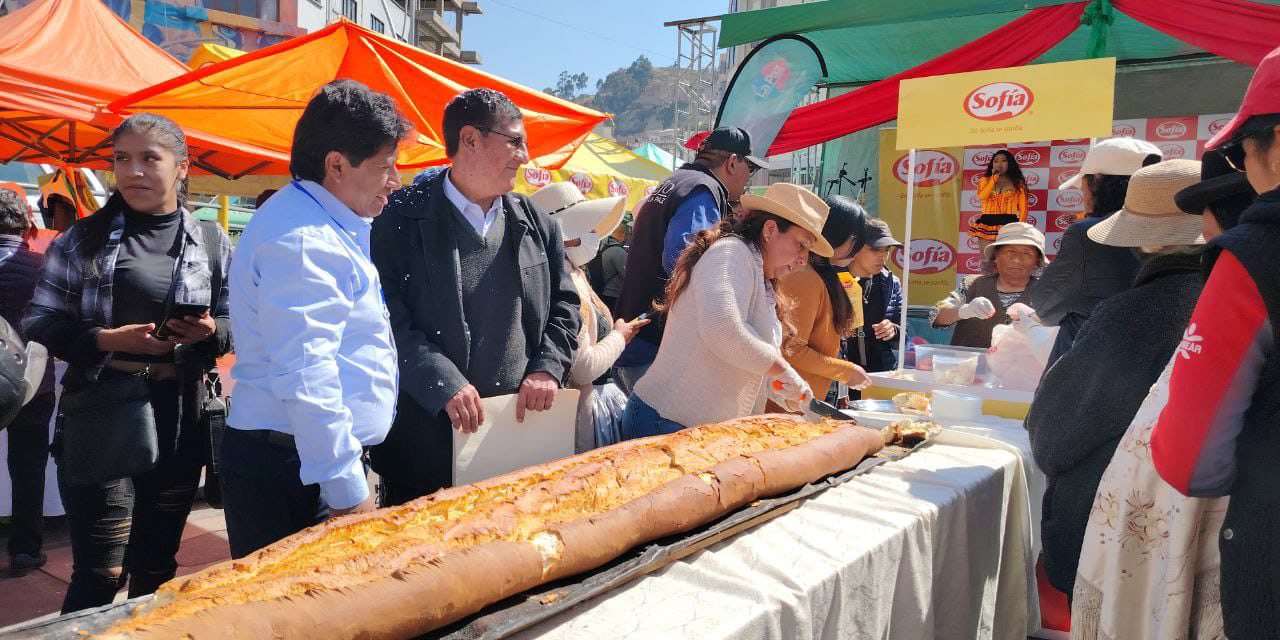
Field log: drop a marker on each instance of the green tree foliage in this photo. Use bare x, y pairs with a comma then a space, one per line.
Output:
620, 88
568, 85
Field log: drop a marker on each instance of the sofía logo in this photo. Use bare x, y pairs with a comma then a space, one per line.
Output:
1069, 199
1173, 151
1067, 175
583, 182
1033, 201
1065, 220
973, 264
1217, 125
932, 168
537, 177
981, 158
1027, 157
1192, 343
1171, 130
618, 188
998, 101
927, 256
1071, 155
1123, 130
1032, 178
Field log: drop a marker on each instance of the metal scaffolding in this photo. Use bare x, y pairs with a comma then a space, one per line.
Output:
698, 82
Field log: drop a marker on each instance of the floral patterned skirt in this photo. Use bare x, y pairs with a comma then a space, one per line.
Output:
1150, 565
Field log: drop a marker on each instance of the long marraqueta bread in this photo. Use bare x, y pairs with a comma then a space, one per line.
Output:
402, 571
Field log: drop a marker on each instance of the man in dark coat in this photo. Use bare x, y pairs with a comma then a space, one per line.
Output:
480, 300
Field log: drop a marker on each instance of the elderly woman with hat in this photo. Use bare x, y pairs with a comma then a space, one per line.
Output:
1084, 272
722, 338
1122, 590
1217, 435
1088, 398
583, 224
982, 302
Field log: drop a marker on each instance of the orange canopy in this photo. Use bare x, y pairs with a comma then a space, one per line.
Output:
258, 97
61, 62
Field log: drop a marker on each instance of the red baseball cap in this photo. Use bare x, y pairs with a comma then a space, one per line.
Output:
1261, 98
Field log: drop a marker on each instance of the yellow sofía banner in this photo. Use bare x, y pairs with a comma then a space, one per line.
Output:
935, 220
592, 185
1062, 100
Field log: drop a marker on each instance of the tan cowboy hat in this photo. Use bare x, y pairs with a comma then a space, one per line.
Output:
1017, 233
796, 204
1151, 216
577, 215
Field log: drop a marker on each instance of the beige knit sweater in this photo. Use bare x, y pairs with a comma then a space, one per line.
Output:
721, 337
592, 360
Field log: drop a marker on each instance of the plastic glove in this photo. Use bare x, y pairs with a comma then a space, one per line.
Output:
1019, 312
980, 308
790, 391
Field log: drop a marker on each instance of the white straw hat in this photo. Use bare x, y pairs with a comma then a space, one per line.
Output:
1114, 157
794, 204
577, 215
1017, 233
1151, 216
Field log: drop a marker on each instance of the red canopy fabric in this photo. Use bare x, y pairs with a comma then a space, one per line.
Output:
1014, 44
1234, 29
61, 62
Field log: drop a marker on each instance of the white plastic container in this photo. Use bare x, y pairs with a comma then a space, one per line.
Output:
958, 407
956, 370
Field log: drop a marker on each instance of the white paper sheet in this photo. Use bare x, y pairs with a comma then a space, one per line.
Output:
501, 444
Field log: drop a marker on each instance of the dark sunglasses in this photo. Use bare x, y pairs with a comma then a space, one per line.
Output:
516, 142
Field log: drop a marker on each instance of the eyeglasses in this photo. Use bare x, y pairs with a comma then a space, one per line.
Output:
1233, 153
516, 142
752, 167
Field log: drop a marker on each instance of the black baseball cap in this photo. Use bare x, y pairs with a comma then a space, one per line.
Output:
1218, 181
877, 235
734, 140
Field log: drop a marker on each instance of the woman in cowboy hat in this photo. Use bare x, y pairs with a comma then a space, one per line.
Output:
1180, 585
1088, 398
722, 338
1217, 435
583, 223
825, 303
982, 302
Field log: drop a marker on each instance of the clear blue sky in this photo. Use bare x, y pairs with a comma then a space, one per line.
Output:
532, 41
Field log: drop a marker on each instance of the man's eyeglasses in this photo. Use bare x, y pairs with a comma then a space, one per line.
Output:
752, 167
516, 142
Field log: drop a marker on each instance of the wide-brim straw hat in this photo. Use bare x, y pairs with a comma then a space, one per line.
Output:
797, 205
577, 215
1019, 234
1151, 216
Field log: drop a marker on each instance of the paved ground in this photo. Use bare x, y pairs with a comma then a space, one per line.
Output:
39, 593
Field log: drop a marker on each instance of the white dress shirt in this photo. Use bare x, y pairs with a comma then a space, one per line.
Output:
480, 219
314, 352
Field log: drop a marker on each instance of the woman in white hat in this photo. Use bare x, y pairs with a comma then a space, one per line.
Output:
721, 342
981, 303
1084, 272
1088, 398
584, 223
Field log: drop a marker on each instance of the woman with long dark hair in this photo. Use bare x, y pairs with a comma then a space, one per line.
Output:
1003, 192
118, 301
820, 312
721, 341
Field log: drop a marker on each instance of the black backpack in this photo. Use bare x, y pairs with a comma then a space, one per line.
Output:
595, 268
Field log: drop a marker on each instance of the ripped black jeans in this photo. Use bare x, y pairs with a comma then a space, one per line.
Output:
134, 524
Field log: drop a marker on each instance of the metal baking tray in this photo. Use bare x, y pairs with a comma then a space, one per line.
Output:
514, 614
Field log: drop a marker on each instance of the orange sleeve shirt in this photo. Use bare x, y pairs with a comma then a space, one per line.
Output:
1013, 201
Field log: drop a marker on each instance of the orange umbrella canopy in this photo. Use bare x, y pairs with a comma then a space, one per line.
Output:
257, 98
61, 62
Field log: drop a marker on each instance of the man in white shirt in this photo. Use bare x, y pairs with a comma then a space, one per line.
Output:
481, 302
315, 359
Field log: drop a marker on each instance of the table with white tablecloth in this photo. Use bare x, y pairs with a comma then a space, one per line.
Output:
937, 545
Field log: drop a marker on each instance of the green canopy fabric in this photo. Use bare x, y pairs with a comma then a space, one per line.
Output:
887, 38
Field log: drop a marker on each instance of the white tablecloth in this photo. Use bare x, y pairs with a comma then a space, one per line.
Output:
937, 545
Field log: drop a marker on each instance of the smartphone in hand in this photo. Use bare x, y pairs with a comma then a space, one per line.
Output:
178, 311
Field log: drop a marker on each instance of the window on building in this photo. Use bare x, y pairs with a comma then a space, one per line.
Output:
376, 24
264, 9
351, 9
